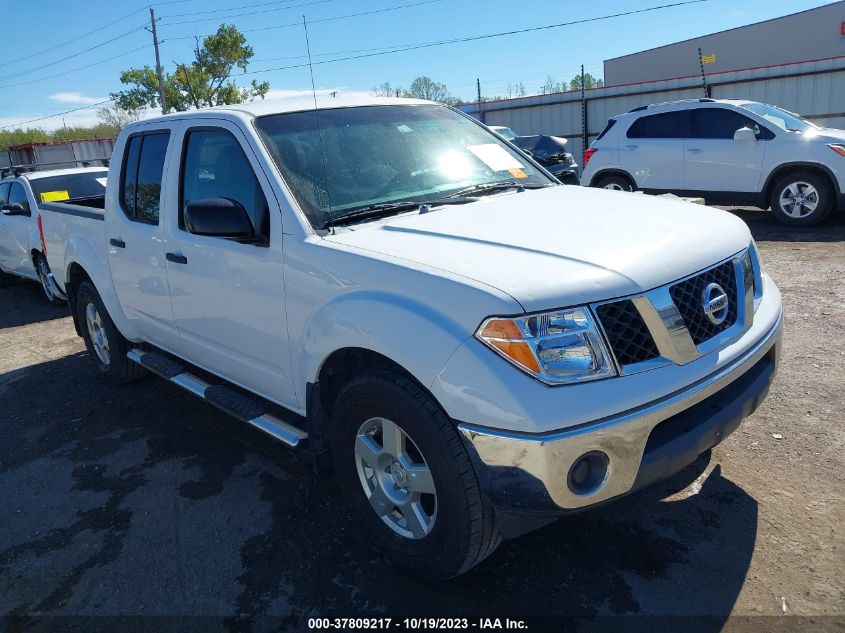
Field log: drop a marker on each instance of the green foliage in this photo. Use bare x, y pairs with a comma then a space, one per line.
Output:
589, 82
421, 88
22, 136
204, 82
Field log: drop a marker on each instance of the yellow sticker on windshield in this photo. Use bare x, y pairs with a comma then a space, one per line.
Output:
517, 173
54, 196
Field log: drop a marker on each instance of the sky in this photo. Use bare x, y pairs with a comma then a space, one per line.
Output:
65, 54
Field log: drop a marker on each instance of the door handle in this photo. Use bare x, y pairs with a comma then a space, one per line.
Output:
117, 243
176, 259
694, 150
631, 146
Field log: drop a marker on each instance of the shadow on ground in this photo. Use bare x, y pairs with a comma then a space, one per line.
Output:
765, 228
23, 303
141, 500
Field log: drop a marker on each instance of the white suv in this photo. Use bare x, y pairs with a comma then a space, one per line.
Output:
727, 151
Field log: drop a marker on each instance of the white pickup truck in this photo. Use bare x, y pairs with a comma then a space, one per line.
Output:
387, 283
21, 246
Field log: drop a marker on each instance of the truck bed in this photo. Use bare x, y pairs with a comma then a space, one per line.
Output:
71, 225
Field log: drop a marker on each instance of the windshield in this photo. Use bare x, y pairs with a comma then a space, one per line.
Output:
383, 154
783, 119
89, 184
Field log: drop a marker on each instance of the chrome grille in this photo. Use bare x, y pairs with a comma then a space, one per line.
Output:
688, 296
627, 333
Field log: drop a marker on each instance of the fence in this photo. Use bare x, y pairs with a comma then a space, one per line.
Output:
815, 89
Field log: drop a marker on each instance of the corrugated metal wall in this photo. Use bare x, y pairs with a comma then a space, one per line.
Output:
814, 89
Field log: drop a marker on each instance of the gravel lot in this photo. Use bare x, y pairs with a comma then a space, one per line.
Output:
141, 500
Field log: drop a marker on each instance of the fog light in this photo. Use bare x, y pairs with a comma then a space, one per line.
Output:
588, 473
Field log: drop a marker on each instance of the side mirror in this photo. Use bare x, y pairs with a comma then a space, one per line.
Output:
745, 135
15, 208
219, 217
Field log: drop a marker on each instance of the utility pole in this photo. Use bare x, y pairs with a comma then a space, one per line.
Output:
480, 110
158, 62
585, 140
703, 76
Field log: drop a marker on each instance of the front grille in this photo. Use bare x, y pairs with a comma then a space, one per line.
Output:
626, 332
688, 298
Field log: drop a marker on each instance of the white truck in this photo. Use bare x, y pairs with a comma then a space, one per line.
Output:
475, 349
21, 247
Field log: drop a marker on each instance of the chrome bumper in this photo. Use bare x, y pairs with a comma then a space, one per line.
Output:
530, 472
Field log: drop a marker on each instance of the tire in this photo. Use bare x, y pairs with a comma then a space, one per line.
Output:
7, 279
462, 531
106, 346
43, 269
614, 182
817, 198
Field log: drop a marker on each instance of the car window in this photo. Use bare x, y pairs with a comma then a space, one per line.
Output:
665, 125
143, 169
607, 128
215, 166
4, 192
70, 187
721, 123
18, 194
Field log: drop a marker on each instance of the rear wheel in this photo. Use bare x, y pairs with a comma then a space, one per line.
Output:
614, 182
408, 478
43, 269
106, 346
802, 198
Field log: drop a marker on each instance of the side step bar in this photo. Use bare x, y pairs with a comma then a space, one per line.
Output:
226, 399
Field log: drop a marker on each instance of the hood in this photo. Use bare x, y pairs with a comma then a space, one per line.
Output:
831, 135
560, 246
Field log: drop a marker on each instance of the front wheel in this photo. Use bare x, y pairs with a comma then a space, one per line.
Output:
106, 346
43, 269
802, 198
408, 478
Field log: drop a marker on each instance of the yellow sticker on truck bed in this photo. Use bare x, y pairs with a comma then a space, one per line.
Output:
54, 196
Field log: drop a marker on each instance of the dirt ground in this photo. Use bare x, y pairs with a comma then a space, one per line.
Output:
141, 501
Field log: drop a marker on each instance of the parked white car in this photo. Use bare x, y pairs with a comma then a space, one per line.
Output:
478, 348
727, 151
21, 246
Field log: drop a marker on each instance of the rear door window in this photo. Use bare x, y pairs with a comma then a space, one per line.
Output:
143, 170
666, 125
4, 193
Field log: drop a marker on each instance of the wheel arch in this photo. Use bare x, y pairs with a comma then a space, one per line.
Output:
76, 272
785, 168
613, 171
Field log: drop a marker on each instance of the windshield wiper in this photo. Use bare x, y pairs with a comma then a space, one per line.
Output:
384, 209
493, 187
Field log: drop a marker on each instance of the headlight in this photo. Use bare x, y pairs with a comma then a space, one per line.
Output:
557, 348
757, 267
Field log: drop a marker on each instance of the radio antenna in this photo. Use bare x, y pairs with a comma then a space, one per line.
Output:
330, 224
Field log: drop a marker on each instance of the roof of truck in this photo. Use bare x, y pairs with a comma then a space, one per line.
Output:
263, 107
35, 175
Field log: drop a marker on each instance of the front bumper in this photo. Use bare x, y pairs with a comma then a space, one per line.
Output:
529, 473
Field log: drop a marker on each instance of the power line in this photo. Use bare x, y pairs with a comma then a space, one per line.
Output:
237, 15
97, 30
51, 116
87, 50
246, 6
78, 68
329, 19
484, 37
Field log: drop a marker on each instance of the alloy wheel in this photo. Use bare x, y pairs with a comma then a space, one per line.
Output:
396, 478
799, 199
99, 338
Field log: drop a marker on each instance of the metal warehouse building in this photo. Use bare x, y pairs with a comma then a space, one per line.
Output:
796, 62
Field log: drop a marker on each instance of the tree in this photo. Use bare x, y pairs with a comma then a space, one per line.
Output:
117, 117
427, 88
552, 86
589, 82
204, 82
387, 90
